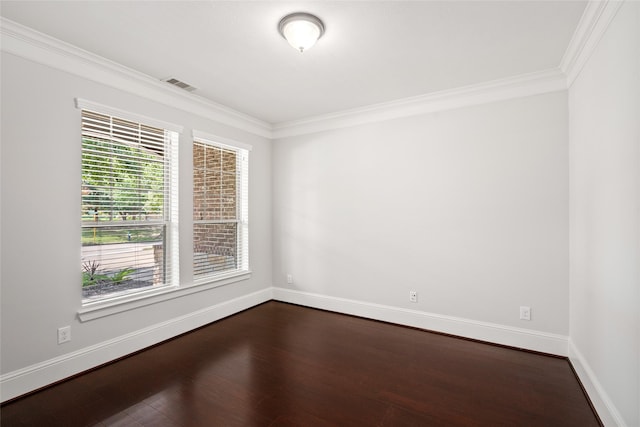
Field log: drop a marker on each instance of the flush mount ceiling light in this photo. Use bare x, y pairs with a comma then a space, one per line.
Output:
301, 30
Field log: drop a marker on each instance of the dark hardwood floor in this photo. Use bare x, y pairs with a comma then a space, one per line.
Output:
283, 365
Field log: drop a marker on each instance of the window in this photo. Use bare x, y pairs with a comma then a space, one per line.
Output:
220, 208
129, 206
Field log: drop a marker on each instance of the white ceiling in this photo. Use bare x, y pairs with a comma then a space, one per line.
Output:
372, 51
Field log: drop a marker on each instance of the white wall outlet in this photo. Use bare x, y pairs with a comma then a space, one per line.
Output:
64, 334
525, 313
289, 279
413, 296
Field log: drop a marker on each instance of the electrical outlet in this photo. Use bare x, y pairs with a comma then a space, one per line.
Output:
413, 296
525, 313
289, 279
64, 334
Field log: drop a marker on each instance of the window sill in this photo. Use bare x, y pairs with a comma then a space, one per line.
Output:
107, 307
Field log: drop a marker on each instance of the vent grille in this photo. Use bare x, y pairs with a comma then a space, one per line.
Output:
180, 84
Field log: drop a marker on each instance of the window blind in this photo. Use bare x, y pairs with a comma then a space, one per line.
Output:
220, 208
129, 205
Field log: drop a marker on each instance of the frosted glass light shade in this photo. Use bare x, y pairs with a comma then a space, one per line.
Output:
301, 30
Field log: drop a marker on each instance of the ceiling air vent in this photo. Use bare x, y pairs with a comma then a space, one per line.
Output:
181, 85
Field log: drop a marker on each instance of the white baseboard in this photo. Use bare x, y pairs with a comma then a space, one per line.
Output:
605, 408
490, 332
30, 378
25, 380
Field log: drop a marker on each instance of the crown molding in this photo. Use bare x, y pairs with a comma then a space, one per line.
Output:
41, 48
593, 24
33, 45
497, 90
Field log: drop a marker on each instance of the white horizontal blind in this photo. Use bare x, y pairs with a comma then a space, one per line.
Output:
220, 208
129, 206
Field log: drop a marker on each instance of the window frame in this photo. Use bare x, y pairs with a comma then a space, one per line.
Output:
169, 222
242, 210
124, 303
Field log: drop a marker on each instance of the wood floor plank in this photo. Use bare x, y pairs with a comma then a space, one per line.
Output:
283, 365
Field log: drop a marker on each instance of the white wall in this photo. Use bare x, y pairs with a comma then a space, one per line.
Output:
40, 226
604, 124
469, 207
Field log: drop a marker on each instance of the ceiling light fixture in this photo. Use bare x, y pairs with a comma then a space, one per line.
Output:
301, 30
